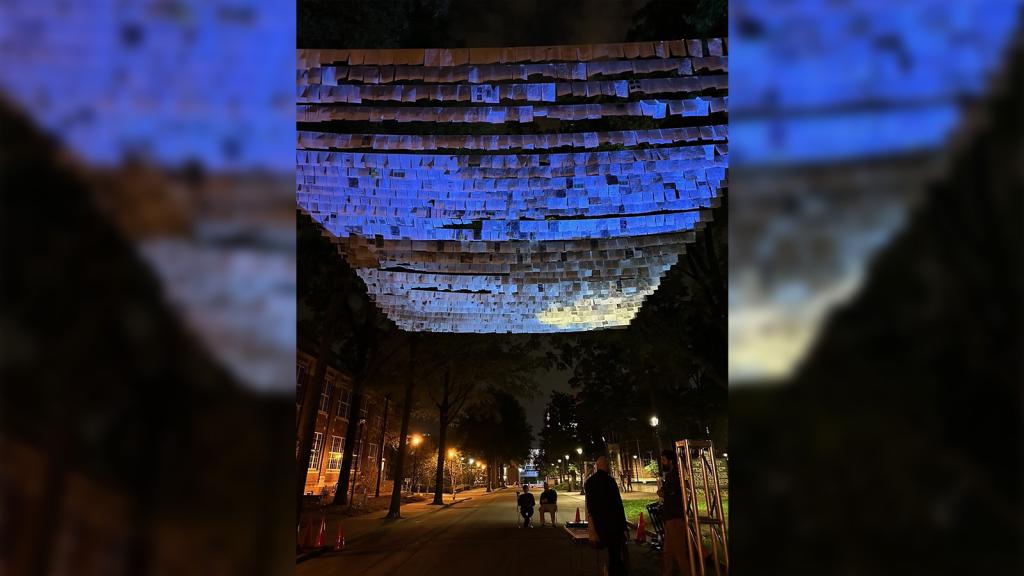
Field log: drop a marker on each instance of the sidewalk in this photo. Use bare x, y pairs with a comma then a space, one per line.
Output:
357, 527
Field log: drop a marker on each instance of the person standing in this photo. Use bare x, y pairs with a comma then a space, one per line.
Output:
675, 553
548, 504
526, 503
608, 519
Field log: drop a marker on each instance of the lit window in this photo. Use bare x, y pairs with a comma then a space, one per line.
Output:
314, 455
334, 455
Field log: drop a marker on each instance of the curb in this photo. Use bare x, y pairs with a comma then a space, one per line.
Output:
303, 556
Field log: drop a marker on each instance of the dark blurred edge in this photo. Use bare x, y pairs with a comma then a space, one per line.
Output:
125, 448
896, 448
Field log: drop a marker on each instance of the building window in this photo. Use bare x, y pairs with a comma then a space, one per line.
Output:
343, 402
372, 454
334, 455
362, 412
314, 455
358, 455
301, 374
325, 394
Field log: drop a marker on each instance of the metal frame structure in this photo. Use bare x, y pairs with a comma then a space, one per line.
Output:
700, 454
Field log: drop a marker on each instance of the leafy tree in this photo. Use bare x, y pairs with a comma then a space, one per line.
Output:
363, 24
496, 430
465, 366
670, 361
665, 19
334, 306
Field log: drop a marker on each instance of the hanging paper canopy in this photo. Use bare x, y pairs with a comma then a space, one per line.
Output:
440, 178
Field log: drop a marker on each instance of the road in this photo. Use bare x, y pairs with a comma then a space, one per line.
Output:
478, 535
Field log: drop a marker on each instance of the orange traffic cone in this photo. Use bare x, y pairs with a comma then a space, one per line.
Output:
323, 529
340, 544
577, 514
641, 531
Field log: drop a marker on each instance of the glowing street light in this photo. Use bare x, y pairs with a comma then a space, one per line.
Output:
471, 461
583, 473
657, 438
417, 439
452, 453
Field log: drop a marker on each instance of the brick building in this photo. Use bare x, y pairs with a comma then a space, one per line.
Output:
333, 414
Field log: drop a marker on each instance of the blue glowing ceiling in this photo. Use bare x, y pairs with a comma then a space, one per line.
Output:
530, 189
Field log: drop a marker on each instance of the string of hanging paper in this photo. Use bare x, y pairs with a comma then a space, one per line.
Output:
540, 227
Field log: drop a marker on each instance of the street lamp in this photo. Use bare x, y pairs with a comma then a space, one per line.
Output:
657, 459
452, 453
416, 441
579, 451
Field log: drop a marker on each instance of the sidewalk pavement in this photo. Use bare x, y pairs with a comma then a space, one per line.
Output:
356, 527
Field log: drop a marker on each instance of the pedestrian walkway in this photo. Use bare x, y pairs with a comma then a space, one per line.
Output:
474, 536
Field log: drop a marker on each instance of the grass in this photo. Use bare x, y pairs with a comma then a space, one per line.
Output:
634, 507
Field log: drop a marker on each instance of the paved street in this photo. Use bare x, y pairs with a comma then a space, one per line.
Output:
479, 535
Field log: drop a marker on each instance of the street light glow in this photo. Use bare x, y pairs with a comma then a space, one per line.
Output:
579, 451
416, 439
452, 452
654, 421
470, 461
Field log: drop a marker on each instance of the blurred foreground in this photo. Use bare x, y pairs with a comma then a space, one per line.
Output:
889, 441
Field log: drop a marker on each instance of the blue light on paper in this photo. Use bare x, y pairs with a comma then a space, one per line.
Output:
203, 81
515, 232
822, 81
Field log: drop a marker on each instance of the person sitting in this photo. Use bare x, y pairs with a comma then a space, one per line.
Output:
548, 503
526, 503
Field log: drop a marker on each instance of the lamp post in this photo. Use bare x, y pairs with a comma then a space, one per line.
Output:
416, 441
657, 438
451, 456
579, 452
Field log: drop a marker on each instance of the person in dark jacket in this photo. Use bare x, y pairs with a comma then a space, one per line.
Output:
675, 553
526, 503
604, 508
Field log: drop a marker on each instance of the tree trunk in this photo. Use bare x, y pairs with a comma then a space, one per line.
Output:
310, 402
351, 432
442, 436
383, 437
395, 510
363, 352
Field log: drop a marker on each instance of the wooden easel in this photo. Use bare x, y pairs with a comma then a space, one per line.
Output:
699, 472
